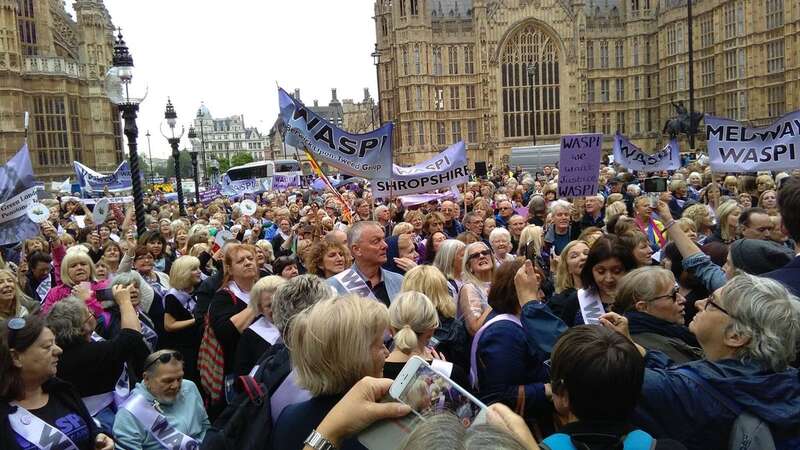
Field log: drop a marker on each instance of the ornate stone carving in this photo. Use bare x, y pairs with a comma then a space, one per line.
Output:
64, 31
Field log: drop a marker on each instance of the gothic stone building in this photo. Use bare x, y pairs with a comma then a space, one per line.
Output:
54, 67
497, 73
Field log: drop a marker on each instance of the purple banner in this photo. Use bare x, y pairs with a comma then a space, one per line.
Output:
418, 199
284, 182
209, 195
579, 165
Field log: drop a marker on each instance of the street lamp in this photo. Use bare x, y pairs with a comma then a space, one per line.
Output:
172, 119
376, 59
150, 154
192, 135
203, 144
531, 72
127, 97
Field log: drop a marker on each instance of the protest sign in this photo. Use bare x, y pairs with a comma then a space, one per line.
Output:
111, 200
17, 194
734, 147
448, 168
282, 183
632, 157
91, 181
100, 211
209, 195
239, 187
579, 164
368, 155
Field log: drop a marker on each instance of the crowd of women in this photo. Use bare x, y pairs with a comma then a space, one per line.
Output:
144, 339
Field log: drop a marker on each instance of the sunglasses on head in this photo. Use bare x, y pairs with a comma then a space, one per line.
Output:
164, 358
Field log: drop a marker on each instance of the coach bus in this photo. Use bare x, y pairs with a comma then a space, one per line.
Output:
261, 170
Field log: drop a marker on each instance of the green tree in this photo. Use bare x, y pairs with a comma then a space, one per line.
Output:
186, 166
236, 160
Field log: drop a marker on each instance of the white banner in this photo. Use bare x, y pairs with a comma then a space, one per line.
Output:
17, 206
734, 147
632, 157
448, 168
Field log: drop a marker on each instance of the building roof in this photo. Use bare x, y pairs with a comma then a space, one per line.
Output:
451, 8
603, 8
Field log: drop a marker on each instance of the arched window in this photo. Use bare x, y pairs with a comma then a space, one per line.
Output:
530, 79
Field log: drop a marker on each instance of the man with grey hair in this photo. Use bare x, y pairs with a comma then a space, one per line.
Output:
452, 226
384, 217
366, 277
561, 229
593, 214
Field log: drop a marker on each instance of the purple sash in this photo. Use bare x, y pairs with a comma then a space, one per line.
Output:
288, 393
473, 366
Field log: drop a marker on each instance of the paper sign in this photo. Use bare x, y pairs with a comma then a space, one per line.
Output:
100, 211
579, 165
220, 238
591, 307
80, 220
248, 207
38, 213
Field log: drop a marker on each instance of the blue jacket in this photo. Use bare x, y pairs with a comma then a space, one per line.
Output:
392, 281
675, 406
186, 415
788, 275
511, 359
710, 275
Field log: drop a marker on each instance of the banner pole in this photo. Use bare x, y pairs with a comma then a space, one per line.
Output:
26, 123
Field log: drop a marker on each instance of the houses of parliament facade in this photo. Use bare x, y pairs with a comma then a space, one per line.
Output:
53, 66
500, 73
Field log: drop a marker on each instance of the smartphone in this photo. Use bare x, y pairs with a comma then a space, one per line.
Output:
427, 392
655, 184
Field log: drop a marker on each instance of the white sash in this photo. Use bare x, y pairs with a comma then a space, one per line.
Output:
241, 295
184, 298
353, 283
150, 336
38, 432
591, 306
122, 390
266, 330
157, 425
44, 287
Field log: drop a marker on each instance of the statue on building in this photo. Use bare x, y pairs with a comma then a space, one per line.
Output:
683, 122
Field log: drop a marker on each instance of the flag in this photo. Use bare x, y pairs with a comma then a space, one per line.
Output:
346, 213
17, 193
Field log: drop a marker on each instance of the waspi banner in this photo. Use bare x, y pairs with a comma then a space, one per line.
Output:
91, 181
734, 147
17, 193
446, 169
632, 157
367, 155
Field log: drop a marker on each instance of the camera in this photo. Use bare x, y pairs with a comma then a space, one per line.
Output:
655, 184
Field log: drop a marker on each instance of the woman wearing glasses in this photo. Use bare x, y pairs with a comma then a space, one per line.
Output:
99, 369
473, 298
31, 397
650, 299
162, 395
748, 330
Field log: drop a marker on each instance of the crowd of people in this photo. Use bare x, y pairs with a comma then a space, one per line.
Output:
112, 336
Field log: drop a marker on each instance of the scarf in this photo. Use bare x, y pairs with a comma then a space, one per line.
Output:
652, 232
639, 322
184, 298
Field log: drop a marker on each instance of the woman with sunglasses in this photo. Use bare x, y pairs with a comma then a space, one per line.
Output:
30, 393
99, 369
473, 298
163, 395
651, 300
748, 330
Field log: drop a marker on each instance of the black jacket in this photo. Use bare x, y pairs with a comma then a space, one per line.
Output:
66, 394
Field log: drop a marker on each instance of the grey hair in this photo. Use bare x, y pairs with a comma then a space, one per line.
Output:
559, 204
640, 285
66, 320
446, 256
354, 233
296, 295
126, 278
499, 232
152, 363
445, 432
765, 311
379, 210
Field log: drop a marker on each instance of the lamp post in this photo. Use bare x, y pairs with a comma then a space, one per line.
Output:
692, 127
193, 154
150, 154
200, 117
376, 59
531, 72
172, 119
127, 97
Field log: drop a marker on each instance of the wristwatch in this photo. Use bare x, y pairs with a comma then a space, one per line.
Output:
318, 441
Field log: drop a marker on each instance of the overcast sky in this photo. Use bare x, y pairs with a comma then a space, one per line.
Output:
231, 53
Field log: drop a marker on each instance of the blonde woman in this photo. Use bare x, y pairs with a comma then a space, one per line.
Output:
530, 242
13, 302
568, 275
182, 330
334, 344
413, 322
75, 275
728, 223
473, 299
261, 334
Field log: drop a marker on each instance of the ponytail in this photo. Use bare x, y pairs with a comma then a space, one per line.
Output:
405, 339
